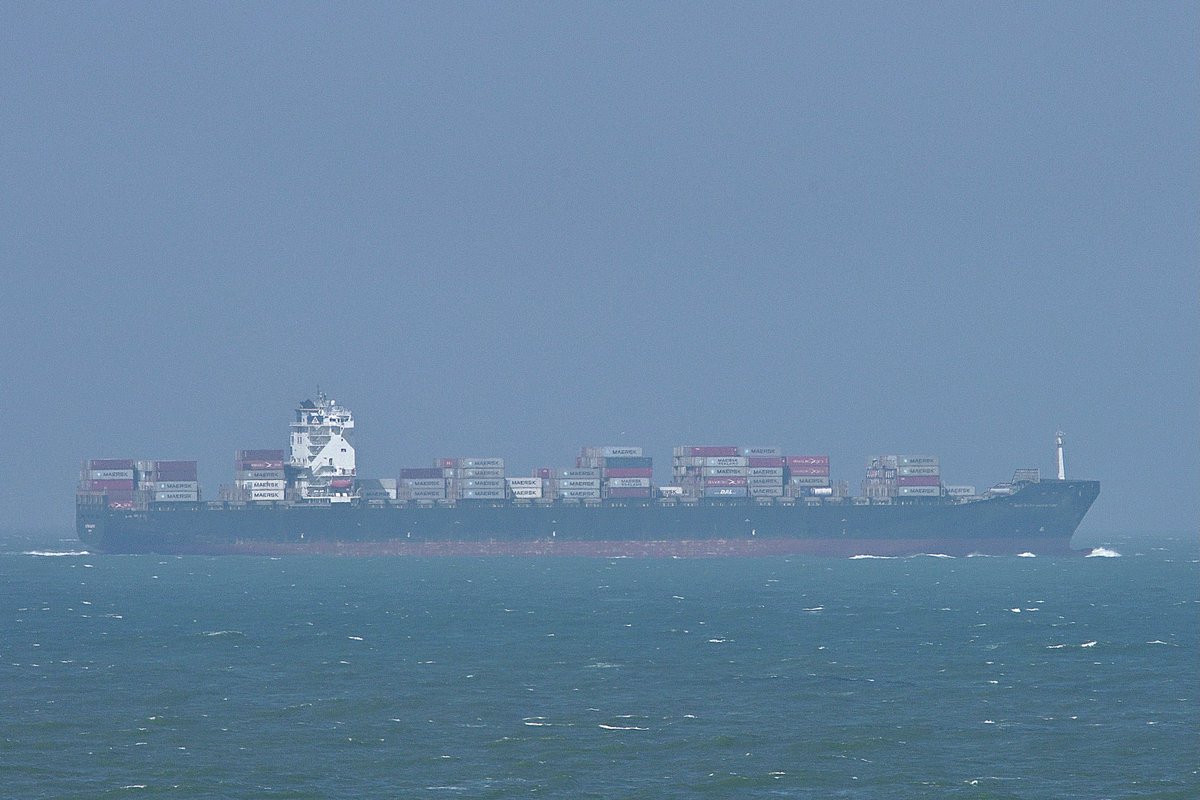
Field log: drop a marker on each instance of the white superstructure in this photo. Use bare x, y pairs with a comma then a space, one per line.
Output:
322, 458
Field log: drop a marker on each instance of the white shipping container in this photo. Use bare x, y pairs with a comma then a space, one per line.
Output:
909, 471
622, 452
176, 486
480, 472
481, 463
265, 494
422, 483
424, 494
916, 461
727, 472
580, 483
765, 472
482, 483
671, 491
578, 472
810, 480
481, 494
766, 491
725, 461
822, 491
629, 483
777, 481
918, 491
377, 493
110, 475
527, 493
579, 494
762, 452
264, 485
960, 491
525, 483
176, 497
260, 475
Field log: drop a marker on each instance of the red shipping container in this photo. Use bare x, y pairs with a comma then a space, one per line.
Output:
421, 472
724, 481
629, 472
808, 461
627, 492
110, 463
919, 480
259, 455
766, 461
164, 466
110, 486
545, 472
175, 475
447, 463
712, 452
801, 470
247, 466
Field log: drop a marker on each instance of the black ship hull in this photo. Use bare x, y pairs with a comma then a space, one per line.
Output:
1039, 518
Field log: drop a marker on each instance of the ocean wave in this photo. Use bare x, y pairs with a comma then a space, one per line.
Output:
621, 727
864, 555
1103, 552
1026, 554
55, 553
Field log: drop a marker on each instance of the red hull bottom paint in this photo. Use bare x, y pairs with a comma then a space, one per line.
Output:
685, 548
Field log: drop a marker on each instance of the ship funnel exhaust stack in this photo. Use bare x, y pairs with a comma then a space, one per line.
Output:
1059, 438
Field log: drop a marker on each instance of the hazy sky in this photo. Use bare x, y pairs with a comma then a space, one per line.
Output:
516, 228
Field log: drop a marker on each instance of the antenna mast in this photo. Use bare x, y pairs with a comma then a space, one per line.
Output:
1059, 438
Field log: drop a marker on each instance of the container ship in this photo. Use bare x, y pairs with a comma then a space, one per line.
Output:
721, 500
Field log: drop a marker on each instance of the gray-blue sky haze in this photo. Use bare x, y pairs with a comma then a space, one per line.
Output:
512, 229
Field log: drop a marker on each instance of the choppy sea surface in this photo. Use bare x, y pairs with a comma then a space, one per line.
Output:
243, 677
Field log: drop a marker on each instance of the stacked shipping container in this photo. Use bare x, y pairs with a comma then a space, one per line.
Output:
113, 476
710, 471
624, 472
808, 476
727, 471
426, 484
259, 476
135, 484
476, 478
470, 478
902, 476
169, 481
764, 471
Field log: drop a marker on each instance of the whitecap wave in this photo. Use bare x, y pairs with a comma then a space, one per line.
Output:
865, 555
932, 555
55, 553
1027, 554
622, 727
1103, 552
1088, 644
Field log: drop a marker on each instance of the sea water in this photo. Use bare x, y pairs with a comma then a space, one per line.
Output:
242, 677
